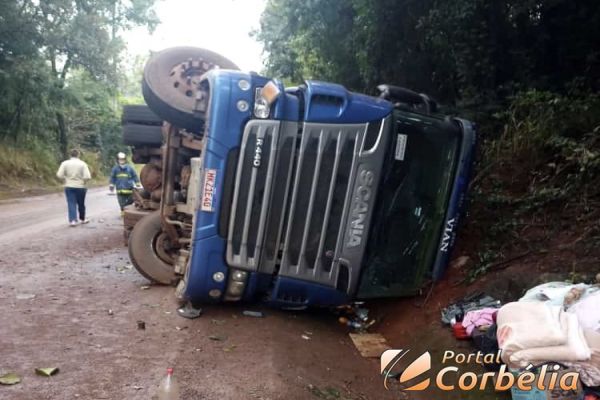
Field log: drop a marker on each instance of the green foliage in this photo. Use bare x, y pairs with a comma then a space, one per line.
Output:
60, 74
467, 52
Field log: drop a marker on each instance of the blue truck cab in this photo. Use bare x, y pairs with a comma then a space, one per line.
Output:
312, 195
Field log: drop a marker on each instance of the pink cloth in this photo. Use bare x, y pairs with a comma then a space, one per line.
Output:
476, 318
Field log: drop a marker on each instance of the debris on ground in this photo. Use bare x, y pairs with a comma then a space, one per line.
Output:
217, 338
47, 371
370, 345
355, 316
228, 349
10, 379
254, 314
145, 287
180, 328
476, 301
555, 323
188, 311
124, 268
305, 337
110, 312
141, 325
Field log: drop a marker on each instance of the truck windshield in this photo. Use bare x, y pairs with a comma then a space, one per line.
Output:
411, 205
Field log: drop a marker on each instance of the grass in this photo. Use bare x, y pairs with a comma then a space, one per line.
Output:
33, 171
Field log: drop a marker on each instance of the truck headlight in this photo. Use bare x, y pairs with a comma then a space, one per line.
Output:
236, 285
264, 98
261, 108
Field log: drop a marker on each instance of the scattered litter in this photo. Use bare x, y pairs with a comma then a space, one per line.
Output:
25, 296
228, 349
255, 314
47, 371
180, 328
138, 387
10, 379
110, 312
167, 312
141, 325
369, 345
217, 338
476, 301
305, 337
124, 268
145, 287
189, 312
355, 316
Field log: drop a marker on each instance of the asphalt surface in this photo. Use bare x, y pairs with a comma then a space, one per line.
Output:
69, 298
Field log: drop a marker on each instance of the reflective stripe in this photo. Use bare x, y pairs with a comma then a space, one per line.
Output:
124, 191
125, 175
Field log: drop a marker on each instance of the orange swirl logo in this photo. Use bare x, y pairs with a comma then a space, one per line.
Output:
390, 358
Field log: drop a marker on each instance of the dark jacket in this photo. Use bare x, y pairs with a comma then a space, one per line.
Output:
124, 178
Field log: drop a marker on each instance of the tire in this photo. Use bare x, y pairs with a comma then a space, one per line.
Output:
164, 82
142, 135
143, 254
140, 114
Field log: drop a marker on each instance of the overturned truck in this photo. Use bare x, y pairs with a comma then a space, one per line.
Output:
300, 196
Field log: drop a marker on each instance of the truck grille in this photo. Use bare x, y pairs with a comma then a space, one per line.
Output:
294, 210
326, 166
262, 178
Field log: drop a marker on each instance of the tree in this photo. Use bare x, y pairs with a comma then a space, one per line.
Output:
464, 51
43, 43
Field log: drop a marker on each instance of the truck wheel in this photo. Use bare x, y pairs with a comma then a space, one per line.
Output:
142, 135
171, 83
139, 114
144, 253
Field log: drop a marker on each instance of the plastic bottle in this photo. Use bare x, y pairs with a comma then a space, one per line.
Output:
168, 389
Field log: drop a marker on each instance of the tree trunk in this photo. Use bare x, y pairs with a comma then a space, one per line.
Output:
63, 136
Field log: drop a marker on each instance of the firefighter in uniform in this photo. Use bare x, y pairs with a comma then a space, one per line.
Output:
124, 179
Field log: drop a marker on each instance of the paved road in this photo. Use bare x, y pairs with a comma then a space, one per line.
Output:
70, 299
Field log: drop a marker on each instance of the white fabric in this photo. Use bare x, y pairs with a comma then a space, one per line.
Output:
588, 311
74, 172
523, 325
576, 348
552, 292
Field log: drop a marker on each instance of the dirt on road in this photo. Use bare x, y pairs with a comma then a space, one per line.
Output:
69, 298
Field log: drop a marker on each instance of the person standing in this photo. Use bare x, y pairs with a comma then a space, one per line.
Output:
124, 178
75, 174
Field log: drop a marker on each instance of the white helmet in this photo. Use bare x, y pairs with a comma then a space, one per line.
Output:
121, 156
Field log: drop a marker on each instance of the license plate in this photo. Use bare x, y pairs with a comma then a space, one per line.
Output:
208, 191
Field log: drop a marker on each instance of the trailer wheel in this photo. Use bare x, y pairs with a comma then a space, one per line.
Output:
142, 135
139, 114
145, 254
171, 84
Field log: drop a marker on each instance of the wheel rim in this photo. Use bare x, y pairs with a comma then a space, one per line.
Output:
160, 245
171, 84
